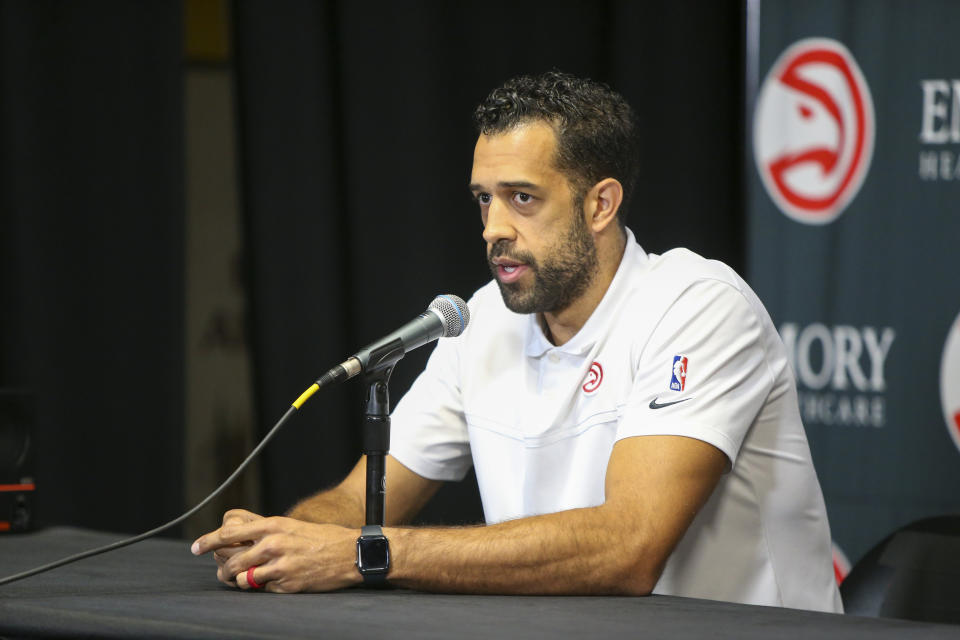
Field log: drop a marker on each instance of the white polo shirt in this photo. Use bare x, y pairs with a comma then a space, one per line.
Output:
538, 422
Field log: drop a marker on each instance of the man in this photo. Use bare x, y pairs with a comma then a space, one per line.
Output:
632, 418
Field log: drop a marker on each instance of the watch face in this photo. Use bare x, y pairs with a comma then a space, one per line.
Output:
373, 555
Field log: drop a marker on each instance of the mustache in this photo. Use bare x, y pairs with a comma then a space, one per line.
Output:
502, 249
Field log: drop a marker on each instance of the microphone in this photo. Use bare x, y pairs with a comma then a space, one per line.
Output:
446, 317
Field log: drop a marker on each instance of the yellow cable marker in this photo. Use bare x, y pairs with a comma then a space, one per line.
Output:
305, 396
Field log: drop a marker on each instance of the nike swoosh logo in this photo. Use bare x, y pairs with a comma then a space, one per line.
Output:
660, 405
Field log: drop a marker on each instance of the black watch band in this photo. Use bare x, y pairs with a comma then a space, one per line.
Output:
373, 555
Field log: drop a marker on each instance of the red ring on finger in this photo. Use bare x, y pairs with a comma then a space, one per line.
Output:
250, 581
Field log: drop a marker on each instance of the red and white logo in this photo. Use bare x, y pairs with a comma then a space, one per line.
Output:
950, 382
813, 130
594, 378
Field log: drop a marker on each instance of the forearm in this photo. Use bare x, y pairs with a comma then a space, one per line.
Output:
581, 551
619, 547
345, 504
333, 506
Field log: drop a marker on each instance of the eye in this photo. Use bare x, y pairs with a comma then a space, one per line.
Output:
483, 199
522, 198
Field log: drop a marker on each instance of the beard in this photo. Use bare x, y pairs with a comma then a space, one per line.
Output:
566, 271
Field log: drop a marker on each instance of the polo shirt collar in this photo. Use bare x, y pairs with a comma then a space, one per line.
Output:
536, 343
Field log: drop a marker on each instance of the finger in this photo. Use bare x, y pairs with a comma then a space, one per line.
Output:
225, 578
254, 577
207, 542
258, 554
230, 532
241, 579
240, 514
223, 554
277, 586
203, 544
229, 535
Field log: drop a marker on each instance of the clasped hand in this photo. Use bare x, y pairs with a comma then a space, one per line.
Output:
288, 555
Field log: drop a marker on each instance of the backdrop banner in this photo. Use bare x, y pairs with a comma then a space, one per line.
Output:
853, 178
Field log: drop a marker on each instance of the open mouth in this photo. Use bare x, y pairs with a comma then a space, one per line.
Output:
507, 271
512, 273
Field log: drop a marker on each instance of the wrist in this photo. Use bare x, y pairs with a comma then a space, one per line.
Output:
399, 553
344, 570
373, 557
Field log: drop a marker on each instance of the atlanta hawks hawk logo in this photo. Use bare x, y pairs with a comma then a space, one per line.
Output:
594, 377
813, 130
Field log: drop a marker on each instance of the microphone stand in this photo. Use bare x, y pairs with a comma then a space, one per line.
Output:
376, 425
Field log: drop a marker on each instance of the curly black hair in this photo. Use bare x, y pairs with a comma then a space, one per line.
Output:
595, 127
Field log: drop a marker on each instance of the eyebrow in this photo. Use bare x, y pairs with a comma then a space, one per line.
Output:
517, 184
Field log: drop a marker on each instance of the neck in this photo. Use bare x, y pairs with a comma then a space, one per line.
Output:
561, 326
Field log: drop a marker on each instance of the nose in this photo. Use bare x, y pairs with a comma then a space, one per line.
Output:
497, 225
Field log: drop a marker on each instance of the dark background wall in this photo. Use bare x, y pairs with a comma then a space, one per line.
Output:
354, 149
91, 261
357, 144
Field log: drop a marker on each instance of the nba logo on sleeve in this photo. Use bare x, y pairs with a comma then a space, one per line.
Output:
678, 379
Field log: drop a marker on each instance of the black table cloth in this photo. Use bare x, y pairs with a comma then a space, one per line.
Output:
158, 589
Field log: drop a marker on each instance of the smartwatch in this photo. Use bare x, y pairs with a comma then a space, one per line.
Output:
373, 555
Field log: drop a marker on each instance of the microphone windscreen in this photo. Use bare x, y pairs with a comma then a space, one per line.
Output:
455, 313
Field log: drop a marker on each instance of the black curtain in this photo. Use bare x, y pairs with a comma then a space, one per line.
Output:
91, 252
356, 150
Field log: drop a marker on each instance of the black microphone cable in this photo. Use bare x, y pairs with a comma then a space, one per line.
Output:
453, 315
336, 374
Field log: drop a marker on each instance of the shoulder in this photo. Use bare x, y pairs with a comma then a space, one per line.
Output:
707, 300
679, 269
681, 292
659, 282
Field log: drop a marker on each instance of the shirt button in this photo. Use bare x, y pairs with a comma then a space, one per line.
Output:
554, 358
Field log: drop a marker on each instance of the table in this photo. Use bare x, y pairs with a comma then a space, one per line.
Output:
158, 589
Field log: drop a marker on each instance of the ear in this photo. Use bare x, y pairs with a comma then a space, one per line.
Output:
602, 203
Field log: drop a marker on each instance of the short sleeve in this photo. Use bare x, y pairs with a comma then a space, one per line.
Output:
428, 429
703, 373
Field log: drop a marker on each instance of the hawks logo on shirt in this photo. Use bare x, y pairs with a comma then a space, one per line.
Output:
678, 378
594, 377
